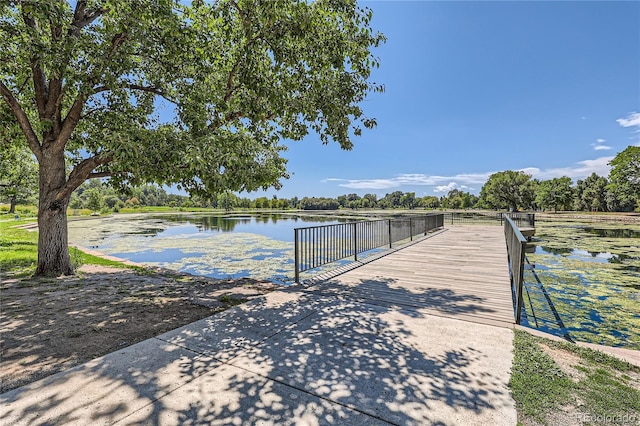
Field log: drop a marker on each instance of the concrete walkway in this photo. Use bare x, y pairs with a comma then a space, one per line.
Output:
296, 356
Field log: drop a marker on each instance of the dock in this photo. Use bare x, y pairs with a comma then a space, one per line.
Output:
459, 273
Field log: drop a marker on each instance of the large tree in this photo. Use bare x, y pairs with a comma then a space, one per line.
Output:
591, 193
508, 189
624, 178
198, 94
556, 194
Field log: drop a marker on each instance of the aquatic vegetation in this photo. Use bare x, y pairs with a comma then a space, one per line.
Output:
214, 246
591, 274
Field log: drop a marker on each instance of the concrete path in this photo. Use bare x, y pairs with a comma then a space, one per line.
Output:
292, 357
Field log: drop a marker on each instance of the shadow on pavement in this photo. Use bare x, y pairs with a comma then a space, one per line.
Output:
298, 356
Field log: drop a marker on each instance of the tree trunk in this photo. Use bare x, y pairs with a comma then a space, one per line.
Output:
53, 250
12, 209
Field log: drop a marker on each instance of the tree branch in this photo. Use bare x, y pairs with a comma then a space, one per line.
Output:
83, 171
71, 120
53, 106
23, 120
116, 42
39, 79
230, 89
82, 18
151, 89
232, 116
240, 12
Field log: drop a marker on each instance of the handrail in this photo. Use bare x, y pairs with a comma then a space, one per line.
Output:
520, 218
516, 244
473, 217
316, 246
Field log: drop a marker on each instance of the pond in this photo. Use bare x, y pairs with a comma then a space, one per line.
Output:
218, 246
591, 274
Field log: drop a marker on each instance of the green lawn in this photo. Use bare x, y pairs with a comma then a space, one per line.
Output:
19, 251
579, 383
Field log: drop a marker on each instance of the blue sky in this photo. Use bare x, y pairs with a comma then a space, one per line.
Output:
472, 88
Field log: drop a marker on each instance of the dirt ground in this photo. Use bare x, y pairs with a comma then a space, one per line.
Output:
48, 325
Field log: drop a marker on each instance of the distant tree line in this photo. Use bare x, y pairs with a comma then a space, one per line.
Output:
620, 192
505, 190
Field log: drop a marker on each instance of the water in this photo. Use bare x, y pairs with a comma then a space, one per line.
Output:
217, 246
613, 233
585, 255
591, 276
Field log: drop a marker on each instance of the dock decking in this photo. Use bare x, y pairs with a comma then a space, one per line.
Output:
461, 272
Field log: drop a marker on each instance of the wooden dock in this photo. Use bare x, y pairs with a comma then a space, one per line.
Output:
461, 272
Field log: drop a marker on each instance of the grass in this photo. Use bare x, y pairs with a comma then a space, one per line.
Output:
18, 249
19, 252
228, 300
537, 383
597, 386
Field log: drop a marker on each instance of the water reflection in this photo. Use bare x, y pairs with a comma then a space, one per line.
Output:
228, 223
585, 255
218, 246
551, 250
613, 233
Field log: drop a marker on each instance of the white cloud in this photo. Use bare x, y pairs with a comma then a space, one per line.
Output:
371, 184
445, 188
631, 120
466, 181
580, 170
413, 179
598, 145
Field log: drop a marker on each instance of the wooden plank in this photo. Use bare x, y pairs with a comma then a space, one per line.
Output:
460, 273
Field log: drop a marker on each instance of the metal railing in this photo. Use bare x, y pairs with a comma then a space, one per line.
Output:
316, 246
521, 219
516, 244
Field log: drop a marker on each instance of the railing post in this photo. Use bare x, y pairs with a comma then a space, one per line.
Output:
410, 229
426, 218
390, 240
355, 242
296, 256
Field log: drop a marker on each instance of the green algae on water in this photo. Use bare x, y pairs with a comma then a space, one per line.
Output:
592, 278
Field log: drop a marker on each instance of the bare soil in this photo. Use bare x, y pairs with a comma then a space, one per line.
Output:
51, 324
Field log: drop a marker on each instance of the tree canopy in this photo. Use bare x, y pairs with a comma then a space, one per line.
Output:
508, 189
591, 193
625, 178
199, 94
556, 194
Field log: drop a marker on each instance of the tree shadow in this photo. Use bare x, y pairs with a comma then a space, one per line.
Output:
382, 291
292, 357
